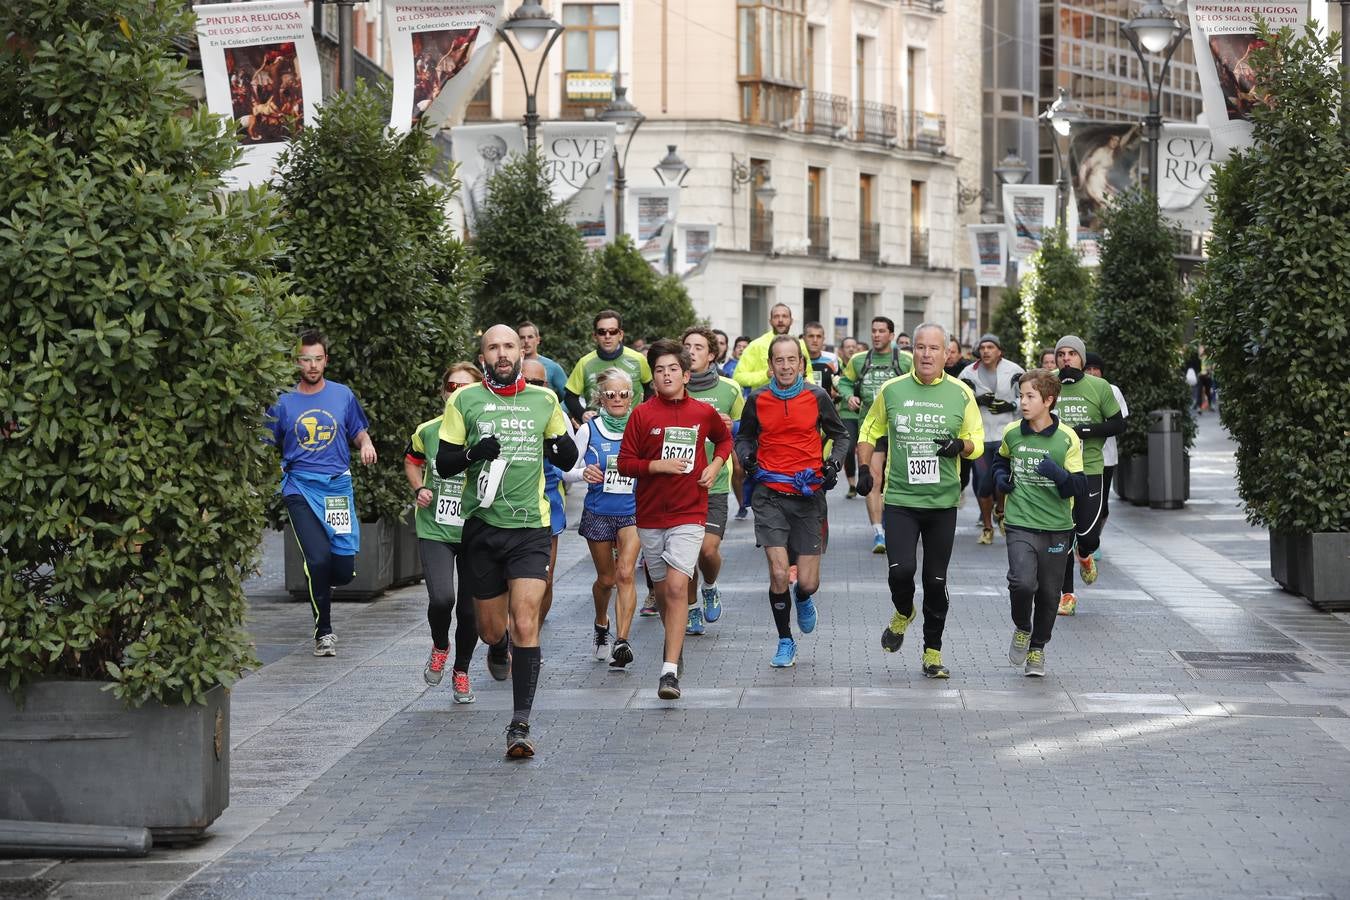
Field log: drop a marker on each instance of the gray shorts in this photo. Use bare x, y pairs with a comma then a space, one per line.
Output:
789, 520
676, 548
717, 514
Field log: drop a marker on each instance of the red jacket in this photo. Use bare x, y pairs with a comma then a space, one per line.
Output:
664, 501
788, 436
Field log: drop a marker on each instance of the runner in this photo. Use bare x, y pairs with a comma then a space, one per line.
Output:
535, 373
928, 420
660, 449
440, 526
994, 381
1110, 454
312, 426
501, 431
824, 364
1086, 405
903, 342
1047, 359
609, 516
863, 377
723, 395
723, 347
582, 390
529, 345
781, 449
737, 348
1039, 467
752, 370
849, 417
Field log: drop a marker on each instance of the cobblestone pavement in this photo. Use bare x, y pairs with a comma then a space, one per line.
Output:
1129, 771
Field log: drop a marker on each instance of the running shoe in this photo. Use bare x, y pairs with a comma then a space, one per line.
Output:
1017, 651
852, 492
649, 606
459, 683
1097, 554
1087, 569
1035, 667
743, 513
326, 645
879, 545
1002, 523
806, 614
623, 655
518, 743
695, 624
601, 643
712, 604
893, 635
932, 665
669, 688
786, 655
435, 667
1068, 604
499, 662
986, 535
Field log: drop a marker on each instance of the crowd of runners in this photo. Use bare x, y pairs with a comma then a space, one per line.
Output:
660, 441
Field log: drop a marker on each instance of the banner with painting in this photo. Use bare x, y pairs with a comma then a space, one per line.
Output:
441, 50
261, 72
1028, 213
1223, 33
1103, 162
577, 163
989, 249
1185, 166
480, 152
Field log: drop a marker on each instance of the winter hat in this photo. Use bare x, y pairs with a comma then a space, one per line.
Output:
1073, 342
1094, 361
991, 339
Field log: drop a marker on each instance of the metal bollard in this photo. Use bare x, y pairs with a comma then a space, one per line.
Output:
1166, 472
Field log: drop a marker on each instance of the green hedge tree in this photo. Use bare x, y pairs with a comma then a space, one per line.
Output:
1275, 296
370, 243
1056, 295
1139, 317
537, 264
1007, 325
146, 332
652, 305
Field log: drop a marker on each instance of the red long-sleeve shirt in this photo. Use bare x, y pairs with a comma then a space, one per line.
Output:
665, 501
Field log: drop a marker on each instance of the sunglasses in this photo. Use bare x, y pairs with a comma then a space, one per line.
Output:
607, 332
616, 395
452, 386
538, 382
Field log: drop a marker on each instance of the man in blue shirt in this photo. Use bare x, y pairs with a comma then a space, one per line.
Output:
312, 425
529, 349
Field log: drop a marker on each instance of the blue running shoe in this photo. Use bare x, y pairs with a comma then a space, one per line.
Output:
712, 604
806, 615
879, 545
695, 625
786, 655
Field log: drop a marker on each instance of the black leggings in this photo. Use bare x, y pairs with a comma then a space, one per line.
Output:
324, 568
851, 457
1087, 526
905, 527
441, 562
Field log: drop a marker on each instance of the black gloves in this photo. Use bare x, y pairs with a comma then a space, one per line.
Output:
487, 448
561, 451
950, 447
830, 475
1048, 468
1003, 479
864, 480
999, 407
749, 465
986, 399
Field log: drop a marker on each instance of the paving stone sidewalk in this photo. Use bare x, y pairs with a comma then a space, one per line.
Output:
1140, 766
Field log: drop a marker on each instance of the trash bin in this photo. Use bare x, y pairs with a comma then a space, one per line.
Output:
1166, 451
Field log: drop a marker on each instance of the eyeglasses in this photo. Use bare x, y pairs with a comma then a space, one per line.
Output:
607, 332
538, 382
616, 395
452, 386
310, 359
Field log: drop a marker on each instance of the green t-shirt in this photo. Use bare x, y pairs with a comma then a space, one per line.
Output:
521, 423
1035, 501
1085, 402
910, 415
882, 368
443, 520
727, 399
583, 380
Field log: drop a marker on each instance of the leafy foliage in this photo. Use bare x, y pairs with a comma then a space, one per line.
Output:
1007, 325
1275, 299
652, 305
1056, 294
538, 265
1139, 317
146, 332
369, 241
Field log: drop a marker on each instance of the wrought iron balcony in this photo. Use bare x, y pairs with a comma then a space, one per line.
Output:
869, 241
874, 123
761, 232
933, 6
925, 131
823, 114
918, 247
818, 232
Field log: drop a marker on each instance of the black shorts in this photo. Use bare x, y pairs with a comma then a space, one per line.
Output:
498, 555
789, 520
717, 514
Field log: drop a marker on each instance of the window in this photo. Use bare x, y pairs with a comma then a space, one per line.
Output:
480, 104
865, 306
754, 308
590, 57
869, 230
916, 312
771, 59
761, 220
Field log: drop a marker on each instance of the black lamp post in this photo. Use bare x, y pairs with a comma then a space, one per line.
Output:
1061, 116
671, 170
1010, 170
628, 120
531, 25
1155, 30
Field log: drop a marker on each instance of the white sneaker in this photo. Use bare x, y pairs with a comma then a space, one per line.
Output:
326, 645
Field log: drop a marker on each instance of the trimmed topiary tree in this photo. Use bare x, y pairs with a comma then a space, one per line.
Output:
1138, 319
146, 332
1007, 325
652, 305
1056, 294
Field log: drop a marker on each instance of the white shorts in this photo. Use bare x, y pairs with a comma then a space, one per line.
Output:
676, 548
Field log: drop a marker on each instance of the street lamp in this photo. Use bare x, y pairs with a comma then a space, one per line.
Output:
627, 120
1010, 170
1061, 116
531, 25
671, 169
1155, 30
744, 172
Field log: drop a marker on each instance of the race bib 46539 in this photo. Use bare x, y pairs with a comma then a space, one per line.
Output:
337, 513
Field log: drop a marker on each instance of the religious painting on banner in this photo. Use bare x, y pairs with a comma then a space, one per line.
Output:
1103, 162
441, 50
480, 152
1029, 211
261, 72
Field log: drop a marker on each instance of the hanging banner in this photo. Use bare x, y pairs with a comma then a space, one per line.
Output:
989, 249
441, 51
1103, 162
1028, 211
480, 151
694, 245
648, 215
261, 72
1185, 166
1223, 33
577, 163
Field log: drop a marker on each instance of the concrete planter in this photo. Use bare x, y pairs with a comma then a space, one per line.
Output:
76, 754
1279, 562
374, 564
1131, 479
1317, 566
407, 559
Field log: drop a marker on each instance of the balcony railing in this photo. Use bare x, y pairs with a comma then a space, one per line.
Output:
824, 114
934, 6
925, 130
818, 232
869, 241
874, 123
918, 247
761, 232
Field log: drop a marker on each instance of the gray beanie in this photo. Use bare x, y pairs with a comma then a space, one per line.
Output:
1073, 342
990, 339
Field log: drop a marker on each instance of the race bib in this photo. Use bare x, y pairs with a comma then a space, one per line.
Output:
337, 513
923, 470
449, 506
616, 483
682, 444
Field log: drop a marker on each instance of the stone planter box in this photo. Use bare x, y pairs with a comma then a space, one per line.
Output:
1317, 566
1131, 480
374, 564
407, 559
74, 753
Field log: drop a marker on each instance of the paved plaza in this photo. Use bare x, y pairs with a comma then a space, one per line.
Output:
1140, 767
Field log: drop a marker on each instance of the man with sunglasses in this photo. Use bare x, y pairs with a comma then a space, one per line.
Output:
582, 389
